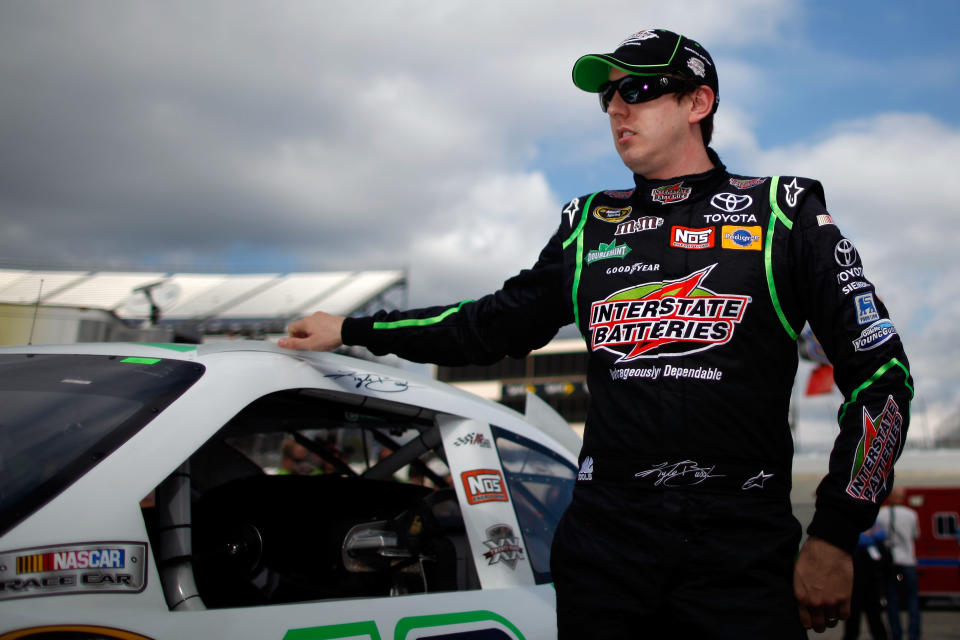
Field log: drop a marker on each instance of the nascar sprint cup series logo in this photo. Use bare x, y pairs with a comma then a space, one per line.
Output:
670, 318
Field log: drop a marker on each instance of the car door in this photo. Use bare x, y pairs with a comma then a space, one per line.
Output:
393, 522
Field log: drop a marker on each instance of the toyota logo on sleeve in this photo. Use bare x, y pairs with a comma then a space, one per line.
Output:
731, 202
845, 253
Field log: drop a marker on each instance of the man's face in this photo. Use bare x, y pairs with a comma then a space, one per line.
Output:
649, 136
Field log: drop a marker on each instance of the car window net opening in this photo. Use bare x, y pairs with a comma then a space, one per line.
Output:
300, 497
60, 414
541, 485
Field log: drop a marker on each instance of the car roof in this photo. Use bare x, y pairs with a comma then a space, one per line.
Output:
367, 381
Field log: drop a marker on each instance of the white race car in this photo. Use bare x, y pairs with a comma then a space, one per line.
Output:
237, 490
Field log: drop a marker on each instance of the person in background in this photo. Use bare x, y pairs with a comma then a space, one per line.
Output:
871, 565
902, 529
296, 460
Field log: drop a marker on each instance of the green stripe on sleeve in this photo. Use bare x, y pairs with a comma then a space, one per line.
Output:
781, 216
420, 322
578, 235
876, 376
776, 215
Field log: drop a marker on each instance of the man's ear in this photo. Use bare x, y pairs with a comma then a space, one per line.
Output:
701, 103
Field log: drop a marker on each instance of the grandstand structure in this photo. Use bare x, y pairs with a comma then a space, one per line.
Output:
106, 305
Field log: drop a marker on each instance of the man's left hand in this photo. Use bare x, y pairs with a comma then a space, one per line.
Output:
822, 583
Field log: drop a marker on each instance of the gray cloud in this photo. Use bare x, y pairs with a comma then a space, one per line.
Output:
320, 130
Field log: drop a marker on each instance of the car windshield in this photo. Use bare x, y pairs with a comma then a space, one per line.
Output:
61, 414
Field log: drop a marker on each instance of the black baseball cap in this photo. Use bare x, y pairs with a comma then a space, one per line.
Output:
651, 52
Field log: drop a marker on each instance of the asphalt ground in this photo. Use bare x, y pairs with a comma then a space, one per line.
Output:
938, 621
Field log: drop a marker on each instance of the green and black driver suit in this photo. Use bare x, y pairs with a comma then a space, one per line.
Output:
690, 294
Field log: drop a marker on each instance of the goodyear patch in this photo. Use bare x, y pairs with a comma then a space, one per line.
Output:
116, 567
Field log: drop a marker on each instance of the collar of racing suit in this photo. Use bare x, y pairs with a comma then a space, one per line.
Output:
696, 184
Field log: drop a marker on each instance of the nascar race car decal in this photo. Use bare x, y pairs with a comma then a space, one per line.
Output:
118, 567
669, 318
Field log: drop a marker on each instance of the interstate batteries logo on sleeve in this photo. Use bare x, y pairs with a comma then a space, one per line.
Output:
876, 452
669, 318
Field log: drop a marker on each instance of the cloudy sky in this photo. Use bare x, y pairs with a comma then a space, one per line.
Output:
443, 136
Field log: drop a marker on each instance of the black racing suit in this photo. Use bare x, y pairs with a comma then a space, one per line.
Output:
690, 294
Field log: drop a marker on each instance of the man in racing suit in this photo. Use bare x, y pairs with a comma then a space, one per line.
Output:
690, 290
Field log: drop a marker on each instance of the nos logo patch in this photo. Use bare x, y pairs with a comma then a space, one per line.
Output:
484, 485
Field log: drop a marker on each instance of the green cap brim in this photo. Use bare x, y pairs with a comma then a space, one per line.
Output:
591, 71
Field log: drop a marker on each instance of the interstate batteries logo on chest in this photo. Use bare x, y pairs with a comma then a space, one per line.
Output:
671, 318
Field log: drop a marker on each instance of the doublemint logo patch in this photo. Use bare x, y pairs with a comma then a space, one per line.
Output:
607, 251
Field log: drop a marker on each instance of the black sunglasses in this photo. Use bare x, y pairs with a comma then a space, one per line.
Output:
634, 89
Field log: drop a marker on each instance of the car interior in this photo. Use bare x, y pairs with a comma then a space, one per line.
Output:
303, 497
309, 494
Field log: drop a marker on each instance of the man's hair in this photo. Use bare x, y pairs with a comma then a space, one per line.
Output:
706, 125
